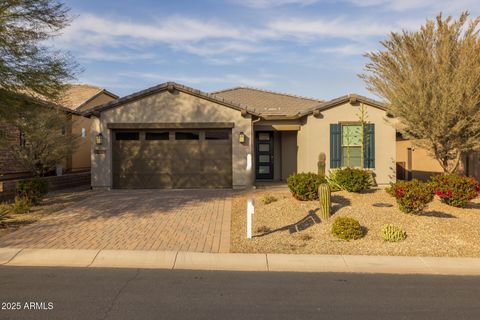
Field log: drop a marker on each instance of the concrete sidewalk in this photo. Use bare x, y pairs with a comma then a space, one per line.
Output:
238, 261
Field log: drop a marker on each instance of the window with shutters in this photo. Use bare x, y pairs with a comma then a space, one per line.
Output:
352, 145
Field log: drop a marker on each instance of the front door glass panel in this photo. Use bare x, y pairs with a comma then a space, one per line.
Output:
264, 155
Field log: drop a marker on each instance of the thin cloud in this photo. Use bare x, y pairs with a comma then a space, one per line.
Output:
344, 50
171, 30
261, 80
101, 55
433, 5
341, 27
263, 4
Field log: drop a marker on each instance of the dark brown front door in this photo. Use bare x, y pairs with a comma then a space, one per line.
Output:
196, 158
264, 154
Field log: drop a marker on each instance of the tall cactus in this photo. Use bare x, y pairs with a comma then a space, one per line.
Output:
325, 201
322, 158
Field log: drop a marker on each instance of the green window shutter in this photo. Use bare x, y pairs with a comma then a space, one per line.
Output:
335, 145
369, 152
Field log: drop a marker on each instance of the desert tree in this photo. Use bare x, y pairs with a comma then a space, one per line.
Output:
27, 64
430, 79
46, 138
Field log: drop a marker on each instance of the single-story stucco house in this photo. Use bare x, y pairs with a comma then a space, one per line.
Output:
173, 136
76, 99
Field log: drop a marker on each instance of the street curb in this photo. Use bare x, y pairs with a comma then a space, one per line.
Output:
182, 260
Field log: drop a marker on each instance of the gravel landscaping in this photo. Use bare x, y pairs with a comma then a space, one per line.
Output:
53, 202
291, 226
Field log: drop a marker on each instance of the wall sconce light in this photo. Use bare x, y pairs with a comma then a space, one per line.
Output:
99, 139
241, 137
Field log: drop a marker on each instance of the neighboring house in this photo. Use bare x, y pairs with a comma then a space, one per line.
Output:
173, 136
77, 99
80, 98
415, 163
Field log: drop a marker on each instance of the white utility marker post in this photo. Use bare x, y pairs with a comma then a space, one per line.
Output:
250, 211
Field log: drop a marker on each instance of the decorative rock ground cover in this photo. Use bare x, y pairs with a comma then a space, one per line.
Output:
291, 226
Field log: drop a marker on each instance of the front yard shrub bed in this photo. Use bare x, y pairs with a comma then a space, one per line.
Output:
455, 190
296, 226
304, 186
22, 213
412, 196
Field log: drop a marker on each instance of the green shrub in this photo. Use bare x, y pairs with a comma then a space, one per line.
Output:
332, 181
412, 196
21, 205
392, 233
268, 199
5, 210
455, 190
347, 228
304, 186
33, 189
351, 179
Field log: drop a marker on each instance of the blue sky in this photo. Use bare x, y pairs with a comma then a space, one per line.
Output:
306, 47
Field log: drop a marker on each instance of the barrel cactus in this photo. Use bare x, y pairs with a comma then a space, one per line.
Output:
393, 233
325, 200
321, 164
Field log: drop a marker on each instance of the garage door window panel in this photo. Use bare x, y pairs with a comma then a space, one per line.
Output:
154, 136
187, 135
127, 136
217, 135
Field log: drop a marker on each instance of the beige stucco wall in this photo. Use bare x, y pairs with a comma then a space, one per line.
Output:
100, 99
314, 137
289, 152
277, 156
81, 156
165, 107
423, 165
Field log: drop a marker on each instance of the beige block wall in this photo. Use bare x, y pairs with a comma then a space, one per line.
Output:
314, 137
81, 157
166, 107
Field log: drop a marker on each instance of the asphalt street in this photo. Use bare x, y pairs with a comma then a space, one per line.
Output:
90, 293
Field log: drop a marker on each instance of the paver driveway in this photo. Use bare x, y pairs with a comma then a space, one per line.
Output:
187, 220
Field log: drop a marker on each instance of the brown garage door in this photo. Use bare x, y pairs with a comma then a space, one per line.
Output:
172, 158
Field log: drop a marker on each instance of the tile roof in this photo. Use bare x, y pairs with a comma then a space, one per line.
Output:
76, 95
268, 103
261, 103
169, 86
352, 98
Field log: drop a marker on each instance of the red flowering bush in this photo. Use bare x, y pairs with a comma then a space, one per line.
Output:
455, 190
412, 196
